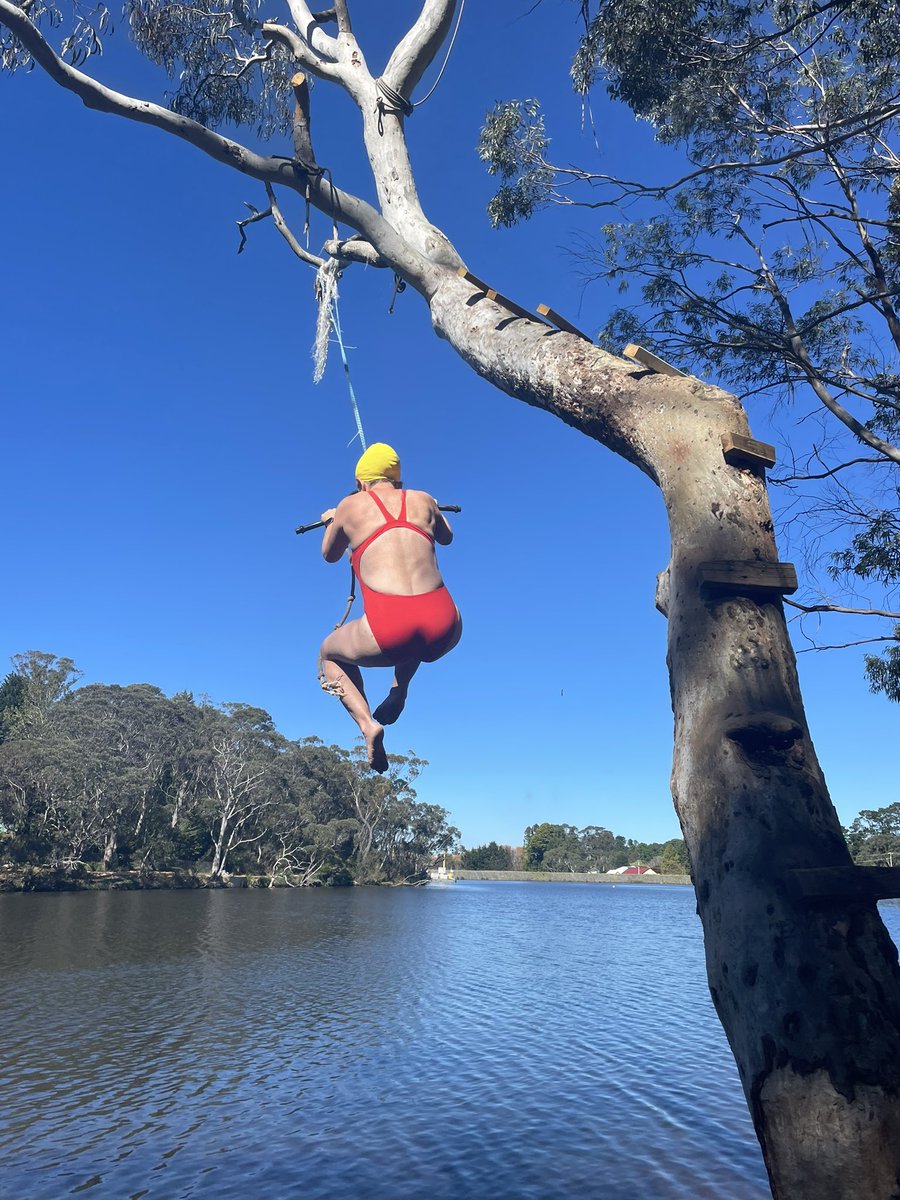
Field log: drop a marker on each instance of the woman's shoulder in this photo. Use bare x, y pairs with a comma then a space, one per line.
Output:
416, 495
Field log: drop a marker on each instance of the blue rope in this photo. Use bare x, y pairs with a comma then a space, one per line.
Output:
336, 325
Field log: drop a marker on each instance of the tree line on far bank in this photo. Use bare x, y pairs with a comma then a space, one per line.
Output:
873, 838
125, 777
564, 848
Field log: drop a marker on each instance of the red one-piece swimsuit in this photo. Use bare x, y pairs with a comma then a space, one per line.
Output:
406, 627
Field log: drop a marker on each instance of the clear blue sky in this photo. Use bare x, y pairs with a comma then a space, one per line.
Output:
163, 437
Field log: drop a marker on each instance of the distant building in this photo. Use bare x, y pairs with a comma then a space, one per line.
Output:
632, 871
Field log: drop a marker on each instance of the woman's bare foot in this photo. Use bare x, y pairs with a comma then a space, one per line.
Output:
391, 706
374, 736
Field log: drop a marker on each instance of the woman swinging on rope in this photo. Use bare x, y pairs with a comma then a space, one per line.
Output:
409, 616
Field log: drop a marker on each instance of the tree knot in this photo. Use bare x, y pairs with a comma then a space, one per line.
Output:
763, 731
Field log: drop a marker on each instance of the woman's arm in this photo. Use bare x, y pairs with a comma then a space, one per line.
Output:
335, 541
443, 534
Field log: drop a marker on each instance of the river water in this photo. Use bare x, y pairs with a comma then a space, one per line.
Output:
513, 1041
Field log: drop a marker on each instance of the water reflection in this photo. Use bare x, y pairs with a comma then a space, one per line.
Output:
523, 1041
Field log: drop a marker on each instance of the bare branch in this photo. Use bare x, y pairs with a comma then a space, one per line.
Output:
255, 215
825, 474
863, 123
281, 225
417, 49
341, 206
848, 645
813, 376
837, 608
884, 293
355, 250
309, 27
325, 67
342, 16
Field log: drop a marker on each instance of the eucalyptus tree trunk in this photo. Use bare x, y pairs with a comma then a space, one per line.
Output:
809, 996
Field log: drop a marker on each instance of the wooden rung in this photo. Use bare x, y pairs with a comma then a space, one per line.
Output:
651, 361
744, 577
870, 883
742, 451
498, 297
464, 273
505, 302
561, 322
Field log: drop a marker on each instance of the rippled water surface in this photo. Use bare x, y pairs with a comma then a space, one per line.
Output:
524, 1041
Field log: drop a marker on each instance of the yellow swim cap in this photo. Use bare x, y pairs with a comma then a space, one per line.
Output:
379, 462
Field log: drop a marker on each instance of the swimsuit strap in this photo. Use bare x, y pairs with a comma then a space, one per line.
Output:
391, 522
401, 521
387, 516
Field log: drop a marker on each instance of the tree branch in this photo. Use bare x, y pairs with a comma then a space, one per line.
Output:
633, 188
309, 28
837, 608
355, 250
281, 225
325, 67
825, 474
848, 645
339, 205
342, 16
814, 378
417, 49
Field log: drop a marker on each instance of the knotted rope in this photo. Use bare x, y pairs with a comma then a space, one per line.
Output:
390, 100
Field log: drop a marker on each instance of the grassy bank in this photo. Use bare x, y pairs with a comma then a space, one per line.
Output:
572, 877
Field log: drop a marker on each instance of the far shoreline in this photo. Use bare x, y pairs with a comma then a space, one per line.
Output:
33, 879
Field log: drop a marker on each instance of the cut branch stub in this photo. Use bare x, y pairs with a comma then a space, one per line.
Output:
718, 579
740, 451
303, 150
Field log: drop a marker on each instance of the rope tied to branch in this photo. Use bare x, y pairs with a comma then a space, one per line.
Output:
390, 100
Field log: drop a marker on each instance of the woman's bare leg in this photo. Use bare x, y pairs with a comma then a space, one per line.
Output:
392, 705
341, 652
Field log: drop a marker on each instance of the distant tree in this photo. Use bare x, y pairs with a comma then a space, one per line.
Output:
673, 858
489, 857
874, 837
47, 680
310, 829
12, 697
599, 848
546, 843
240, 779
398, 834
566, 848
123, 776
